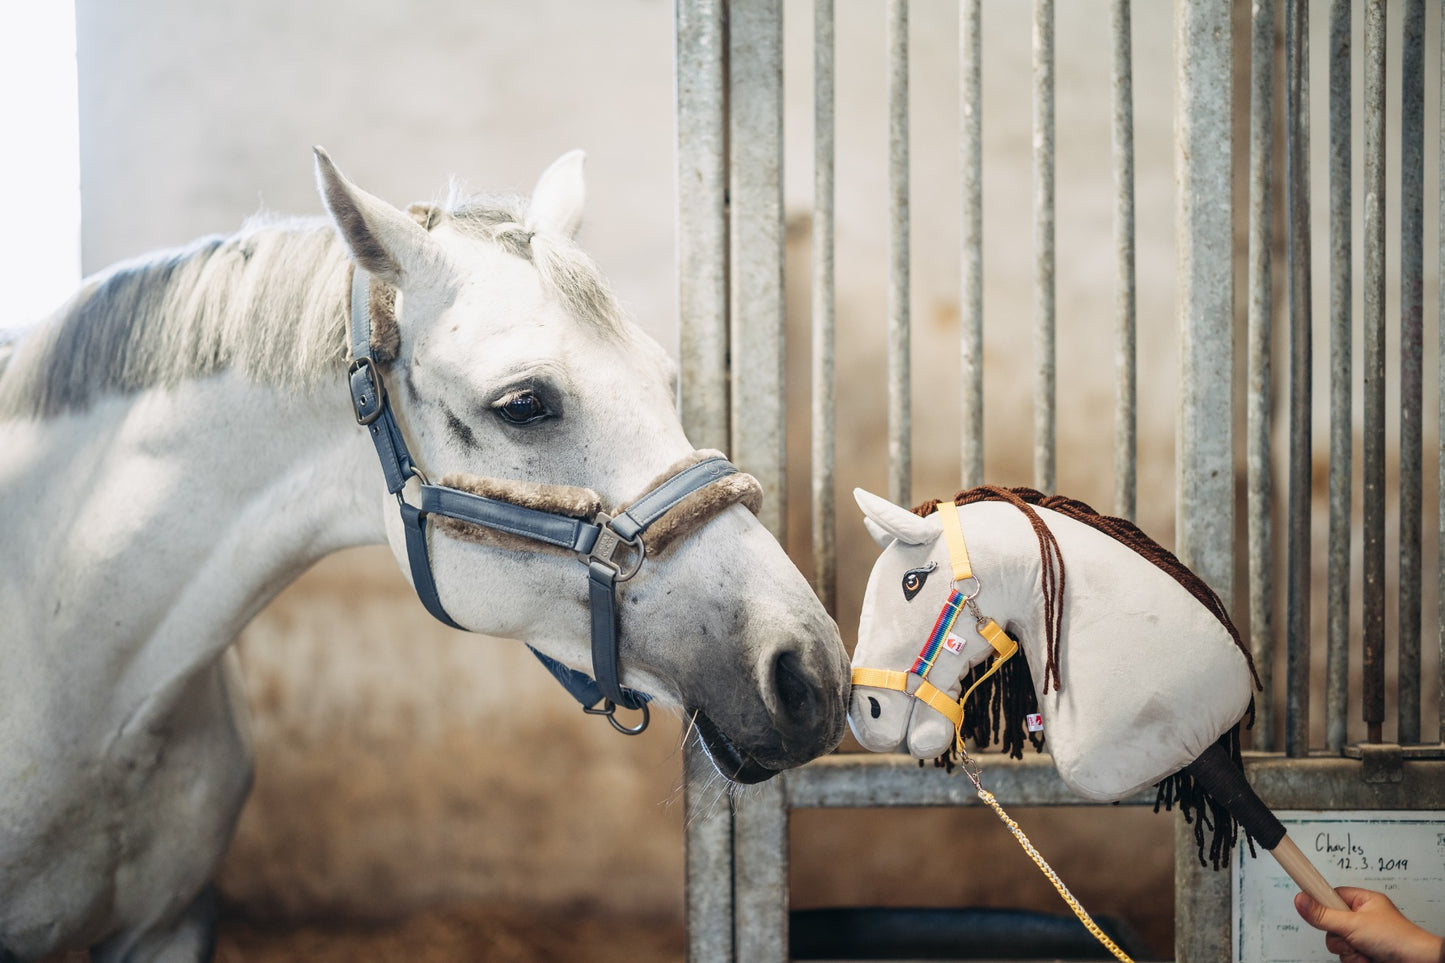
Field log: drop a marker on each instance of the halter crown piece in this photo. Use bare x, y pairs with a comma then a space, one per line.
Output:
597, 541
916, 679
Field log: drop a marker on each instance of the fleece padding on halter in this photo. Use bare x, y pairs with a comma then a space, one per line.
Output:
677, 521
566, 500
385, 335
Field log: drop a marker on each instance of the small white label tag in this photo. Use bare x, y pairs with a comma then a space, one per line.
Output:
1035, 722
953, 644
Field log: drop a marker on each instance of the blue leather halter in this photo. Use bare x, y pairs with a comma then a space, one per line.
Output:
597, 542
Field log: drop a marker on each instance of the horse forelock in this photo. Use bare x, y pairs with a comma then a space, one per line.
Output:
270, 301
565, 268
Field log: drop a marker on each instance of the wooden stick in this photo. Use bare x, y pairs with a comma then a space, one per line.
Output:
1216, 772
1303, 872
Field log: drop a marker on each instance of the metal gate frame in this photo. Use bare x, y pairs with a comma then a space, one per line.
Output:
730, 254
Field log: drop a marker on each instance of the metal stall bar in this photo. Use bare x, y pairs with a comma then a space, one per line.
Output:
1373, 561
760, 881
702, 232
900, 378
702, 220
1337, 602
970, 149
1259, 476
1412, 201
1126, 462
756, 249
1045, 422
756, 307
1204, 484
824, 430
1297, 247
1440, 390
1204, 477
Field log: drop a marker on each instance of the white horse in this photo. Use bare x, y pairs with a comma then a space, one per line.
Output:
1130, 666
181, 441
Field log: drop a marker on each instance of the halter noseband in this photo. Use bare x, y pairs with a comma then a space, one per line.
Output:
600, 541
915, 681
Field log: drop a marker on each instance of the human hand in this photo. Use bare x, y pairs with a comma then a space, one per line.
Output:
1375, 931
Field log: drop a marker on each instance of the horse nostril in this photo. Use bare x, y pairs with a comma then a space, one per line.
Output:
874, 709
795, 692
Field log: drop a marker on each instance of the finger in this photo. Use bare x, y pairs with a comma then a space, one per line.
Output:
1310, 911
1354, 896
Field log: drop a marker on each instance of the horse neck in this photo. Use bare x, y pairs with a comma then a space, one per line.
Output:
161, 522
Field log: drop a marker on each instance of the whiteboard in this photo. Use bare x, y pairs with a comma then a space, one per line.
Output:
1399, 853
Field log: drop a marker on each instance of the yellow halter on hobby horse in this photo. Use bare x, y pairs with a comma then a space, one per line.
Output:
915, 680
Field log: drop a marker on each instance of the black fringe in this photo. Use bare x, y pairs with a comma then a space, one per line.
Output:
1205, 813
997, 709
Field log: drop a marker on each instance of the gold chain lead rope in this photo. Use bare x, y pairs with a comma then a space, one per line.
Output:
1043, 865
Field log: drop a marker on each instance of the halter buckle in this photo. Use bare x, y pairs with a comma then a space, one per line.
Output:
606, 547
368, 391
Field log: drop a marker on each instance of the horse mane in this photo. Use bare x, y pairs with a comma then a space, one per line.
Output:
270, 301
998, 709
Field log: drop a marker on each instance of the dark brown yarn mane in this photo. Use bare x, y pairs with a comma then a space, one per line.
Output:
997, 711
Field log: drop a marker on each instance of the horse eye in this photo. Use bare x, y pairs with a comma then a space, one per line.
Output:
914, 578
522, 408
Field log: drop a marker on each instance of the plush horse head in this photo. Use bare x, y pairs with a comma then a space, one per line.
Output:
1130, 661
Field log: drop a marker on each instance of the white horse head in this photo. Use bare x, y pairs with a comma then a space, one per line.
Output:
1133, 674
181, 441
514, 363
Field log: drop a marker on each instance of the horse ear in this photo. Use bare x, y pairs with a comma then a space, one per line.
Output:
557, 200
878, 533
889, 521
382, 239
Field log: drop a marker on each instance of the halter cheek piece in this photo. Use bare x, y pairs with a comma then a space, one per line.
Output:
916, 679
601, 542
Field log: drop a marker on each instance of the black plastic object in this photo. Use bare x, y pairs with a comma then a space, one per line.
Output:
964, 933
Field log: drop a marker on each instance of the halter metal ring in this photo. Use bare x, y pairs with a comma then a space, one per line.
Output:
606, 546
412, 472
609, 709
641, 549
977, 587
